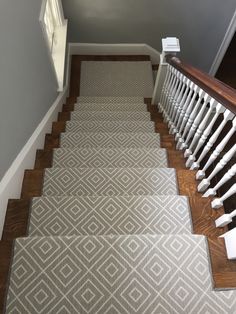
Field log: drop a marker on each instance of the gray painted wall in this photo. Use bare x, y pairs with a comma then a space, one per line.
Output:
27, 82
200, 25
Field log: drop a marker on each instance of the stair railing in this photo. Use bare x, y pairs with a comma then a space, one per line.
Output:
201, 114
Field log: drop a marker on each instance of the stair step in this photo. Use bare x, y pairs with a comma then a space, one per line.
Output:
97, 215
110, 99
110, 126
110, 115
109, 181
110, 157
110, 140
114, 274
111, 107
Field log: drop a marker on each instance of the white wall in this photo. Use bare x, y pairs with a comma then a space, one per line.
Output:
28, 85
200, 25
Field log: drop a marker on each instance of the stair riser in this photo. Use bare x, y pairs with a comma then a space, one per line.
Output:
92, 126
109, 100
109, 158
110, 116
70, 216
110, 140
109, 181
111, 107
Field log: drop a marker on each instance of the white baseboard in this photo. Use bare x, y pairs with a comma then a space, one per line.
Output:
10, 185
115, 49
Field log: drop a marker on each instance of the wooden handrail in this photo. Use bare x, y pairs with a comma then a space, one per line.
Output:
223, 93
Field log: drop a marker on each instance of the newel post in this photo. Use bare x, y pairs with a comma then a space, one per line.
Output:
170, 45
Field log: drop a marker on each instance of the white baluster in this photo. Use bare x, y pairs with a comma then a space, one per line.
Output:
170, 87
184, 109
225, 219
173, 92
196, 122
179, 108
226, 177
181, 142
164, 88
178, 136
188, 152
177, 99
218, 202
164, 92
228, 115
204, 184
219, 109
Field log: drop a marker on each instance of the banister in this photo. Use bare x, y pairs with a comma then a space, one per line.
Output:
215, 88
199, 123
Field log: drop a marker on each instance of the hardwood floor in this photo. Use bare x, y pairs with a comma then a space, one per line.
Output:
18, 211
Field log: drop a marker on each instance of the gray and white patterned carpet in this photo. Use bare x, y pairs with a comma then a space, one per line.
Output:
110, 234
108, 78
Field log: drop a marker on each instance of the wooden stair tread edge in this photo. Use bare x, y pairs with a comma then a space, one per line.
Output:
6, 249
17, 217
32, 183
43, 158
51, 141
223, 270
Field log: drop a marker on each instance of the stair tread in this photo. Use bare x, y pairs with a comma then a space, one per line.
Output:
110, 126
110, 157
114, 274
110, 115
110, 107
109, 181
109, 139
109, 99
96, 215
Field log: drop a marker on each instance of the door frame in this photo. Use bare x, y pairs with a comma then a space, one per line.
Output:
224, 45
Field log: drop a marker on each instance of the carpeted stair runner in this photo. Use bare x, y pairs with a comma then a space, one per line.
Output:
110, 126
97, 215
109, 140
110, 233
109, 181
111, 99
110, 115
109, 157
113, 106
99, 78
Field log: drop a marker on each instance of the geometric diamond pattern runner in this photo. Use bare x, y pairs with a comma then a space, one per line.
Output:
114, 107
109, 140
97, 215
110, 100
109, 78
110, 126
110, 115
114, 274
110, 157
109, 181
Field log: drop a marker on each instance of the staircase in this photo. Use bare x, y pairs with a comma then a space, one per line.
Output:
110, 233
